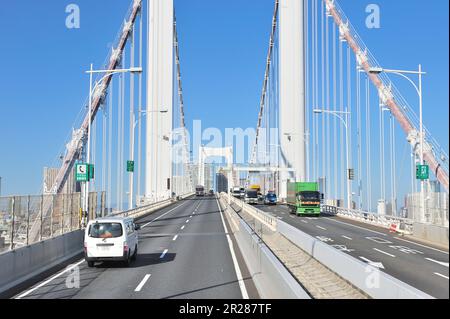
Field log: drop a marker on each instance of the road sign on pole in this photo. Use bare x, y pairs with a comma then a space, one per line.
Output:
81, 173
91, 171
422, 172
130, 166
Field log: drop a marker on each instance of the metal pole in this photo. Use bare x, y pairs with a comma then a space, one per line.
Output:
41, 212
28, 218
422, 191
349, 194
88, 156
132, 116
13, 204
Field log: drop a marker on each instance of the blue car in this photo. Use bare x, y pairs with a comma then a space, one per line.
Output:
270, 199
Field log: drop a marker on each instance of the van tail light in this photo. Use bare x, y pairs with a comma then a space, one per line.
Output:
85, 247
125, 247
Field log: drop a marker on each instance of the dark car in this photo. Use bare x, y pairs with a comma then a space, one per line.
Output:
270, 198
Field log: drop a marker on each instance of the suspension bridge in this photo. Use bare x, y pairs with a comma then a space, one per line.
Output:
329, 113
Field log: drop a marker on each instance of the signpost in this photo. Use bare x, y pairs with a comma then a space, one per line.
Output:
422, 172
81, 172
130, 166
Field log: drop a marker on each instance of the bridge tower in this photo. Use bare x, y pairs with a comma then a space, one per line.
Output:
292, 125
158, 162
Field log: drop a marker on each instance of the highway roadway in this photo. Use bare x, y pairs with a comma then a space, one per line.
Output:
184, 252
421, 266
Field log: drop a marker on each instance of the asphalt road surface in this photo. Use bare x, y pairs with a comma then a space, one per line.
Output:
421, 266
183, 252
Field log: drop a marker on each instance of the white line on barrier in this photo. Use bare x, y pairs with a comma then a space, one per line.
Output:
346, 237
337, 221
383, 252
175, 238
233, 256
182, 227
441, 275
320, 227
163, 254
408, 241
438, 262
139, 287
163, 215
50, 280
187, 221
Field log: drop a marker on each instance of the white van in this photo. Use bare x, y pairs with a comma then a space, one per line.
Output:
111, 239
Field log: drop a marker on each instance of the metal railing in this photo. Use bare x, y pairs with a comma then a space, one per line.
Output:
19, 214
404, 225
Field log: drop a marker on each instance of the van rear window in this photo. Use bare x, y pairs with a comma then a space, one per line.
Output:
105, 230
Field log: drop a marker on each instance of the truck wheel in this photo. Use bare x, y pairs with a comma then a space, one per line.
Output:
135, 253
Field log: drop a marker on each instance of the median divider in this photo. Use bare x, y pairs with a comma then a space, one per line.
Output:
271, 278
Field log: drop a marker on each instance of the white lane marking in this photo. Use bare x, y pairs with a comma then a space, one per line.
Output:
163, 254
438, 262
142, 283
346, 237
304, 221
163, 215
182, 227
233, 256
408, 241
187, 221
441, 275
337, 221
320, 227
373, 263
175, 238
190, 216
26, 293
383, 252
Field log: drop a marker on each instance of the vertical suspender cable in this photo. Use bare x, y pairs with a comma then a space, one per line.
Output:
358, 133
313, 88
139, 156
381, 136
324, 173
341, 126
327, 106
110, 138
335, 119
131, 120
368, 149
349, 121
307, 94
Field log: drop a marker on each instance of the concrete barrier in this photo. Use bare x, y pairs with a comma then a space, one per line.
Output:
22, 264
367, 278
431, 233
271, 278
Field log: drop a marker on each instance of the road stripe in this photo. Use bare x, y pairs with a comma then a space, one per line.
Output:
182, 227
320, 227
438, 262
187, 221
50, 280
304, 221
383, 252
175, 238
163, 254
337, 221
163, 214
347, 237
233, 256
408, 241
142, 283
441, 275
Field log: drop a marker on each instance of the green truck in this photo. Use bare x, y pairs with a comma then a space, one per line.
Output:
303, 198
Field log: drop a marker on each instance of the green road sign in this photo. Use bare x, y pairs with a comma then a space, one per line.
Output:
81, 173
130, 166
422, 172
91, 171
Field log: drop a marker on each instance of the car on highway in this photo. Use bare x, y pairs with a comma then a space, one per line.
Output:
270, 198
111, 239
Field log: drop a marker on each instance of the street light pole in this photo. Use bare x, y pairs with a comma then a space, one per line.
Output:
347, 147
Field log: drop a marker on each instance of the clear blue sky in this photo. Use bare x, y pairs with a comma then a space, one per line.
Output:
223, 50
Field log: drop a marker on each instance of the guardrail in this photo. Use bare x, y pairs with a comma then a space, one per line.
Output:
269, 221
401, 225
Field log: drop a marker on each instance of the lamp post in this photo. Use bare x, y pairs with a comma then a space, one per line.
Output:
418, 89
345, 123
107, 73
131, 180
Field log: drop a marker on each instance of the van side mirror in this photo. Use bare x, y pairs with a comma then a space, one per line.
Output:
137, 227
